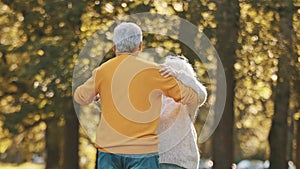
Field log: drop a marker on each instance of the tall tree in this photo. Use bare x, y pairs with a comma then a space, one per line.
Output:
296, 86
297, 91
227, 18
50, 43
278, 132
52, 145
71, 136
298, 145
296, 98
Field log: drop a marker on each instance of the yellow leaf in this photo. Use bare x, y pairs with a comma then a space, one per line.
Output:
42, 104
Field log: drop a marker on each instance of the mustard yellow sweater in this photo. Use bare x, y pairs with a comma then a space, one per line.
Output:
130, 98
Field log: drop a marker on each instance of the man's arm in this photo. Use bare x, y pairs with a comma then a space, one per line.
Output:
188, 94
86, 92
188, 81
178, 91
194, 84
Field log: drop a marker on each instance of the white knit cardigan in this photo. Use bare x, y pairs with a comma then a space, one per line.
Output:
177, 134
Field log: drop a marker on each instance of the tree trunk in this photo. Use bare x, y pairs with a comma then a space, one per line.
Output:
297, 91
53, 144
227, 18
278, 132
71, 144
298, 145
290, 134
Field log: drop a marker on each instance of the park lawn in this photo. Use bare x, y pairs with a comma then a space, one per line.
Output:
26, 165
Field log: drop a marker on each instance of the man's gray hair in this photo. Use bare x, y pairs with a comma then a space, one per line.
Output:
127, 37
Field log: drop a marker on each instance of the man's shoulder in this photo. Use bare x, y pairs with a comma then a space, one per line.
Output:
147, 65
107, 64
148, 68
147, 62
133, 62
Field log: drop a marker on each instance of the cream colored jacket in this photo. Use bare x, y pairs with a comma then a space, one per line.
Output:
177, 134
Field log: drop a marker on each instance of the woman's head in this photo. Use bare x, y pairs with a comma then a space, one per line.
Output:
180, 63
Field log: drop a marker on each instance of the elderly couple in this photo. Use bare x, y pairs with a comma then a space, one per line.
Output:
148, 110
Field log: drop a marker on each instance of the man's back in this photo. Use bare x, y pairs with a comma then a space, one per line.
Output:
130, 92
130, 98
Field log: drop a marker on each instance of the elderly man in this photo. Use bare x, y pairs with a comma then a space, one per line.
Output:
130, 98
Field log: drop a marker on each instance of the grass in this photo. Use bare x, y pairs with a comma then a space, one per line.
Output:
26, 165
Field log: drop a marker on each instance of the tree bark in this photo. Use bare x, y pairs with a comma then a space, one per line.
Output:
227, 18
278, 132
71, 136
297, 91
298, 145
52, 144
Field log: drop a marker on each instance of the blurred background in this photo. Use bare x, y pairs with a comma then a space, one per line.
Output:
258, 43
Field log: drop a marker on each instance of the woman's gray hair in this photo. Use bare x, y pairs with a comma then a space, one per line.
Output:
180, 63
127, 37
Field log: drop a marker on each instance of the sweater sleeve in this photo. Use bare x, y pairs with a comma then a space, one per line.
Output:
86, 92
193, 83
178, 91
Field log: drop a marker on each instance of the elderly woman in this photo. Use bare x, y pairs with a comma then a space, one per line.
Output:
178, 138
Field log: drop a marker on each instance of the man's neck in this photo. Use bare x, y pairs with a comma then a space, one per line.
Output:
128, 53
